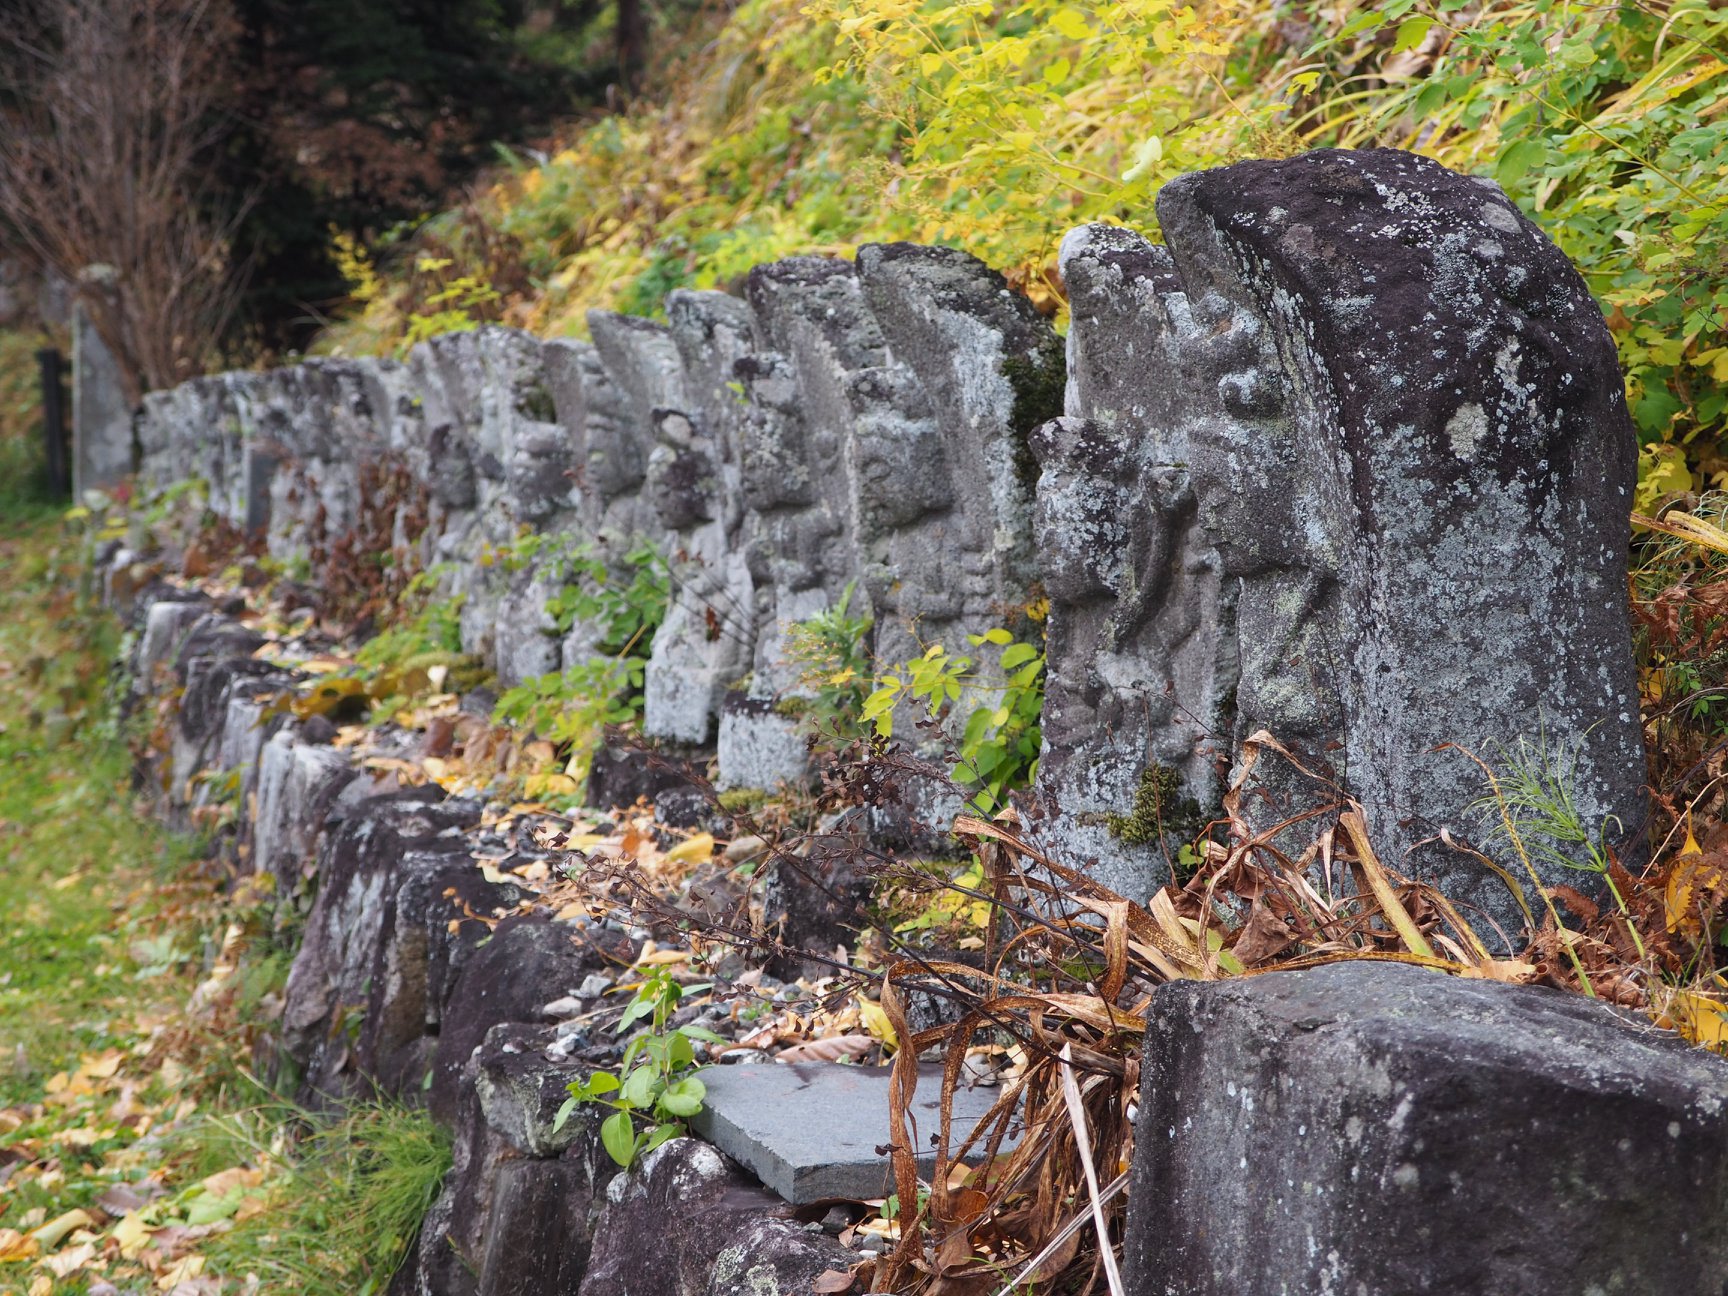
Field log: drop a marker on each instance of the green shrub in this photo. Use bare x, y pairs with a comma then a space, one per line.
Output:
992, 719
622, 605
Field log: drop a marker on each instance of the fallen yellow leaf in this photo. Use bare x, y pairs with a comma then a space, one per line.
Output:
71, 1260
50, 1234
659, 957
102, 1067
692, 850
183, 1270
16, 1246
1700, 1019
541, 785
132, 1235
875, 1020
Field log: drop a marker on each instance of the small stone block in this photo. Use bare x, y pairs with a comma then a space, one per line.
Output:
810, 1130
1379, 1129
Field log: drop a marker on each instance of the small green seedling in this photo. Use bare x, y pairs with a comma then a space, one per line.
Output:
653, 1093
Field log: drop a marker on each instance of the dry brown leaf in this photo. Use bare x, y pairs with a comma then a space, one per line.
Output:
832, 1049
1264, 936
954, 1253
964, 1204
1511, 971
833, 1281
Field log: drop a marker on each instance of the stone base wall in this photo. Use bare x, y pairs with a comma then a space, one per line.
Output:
416, 976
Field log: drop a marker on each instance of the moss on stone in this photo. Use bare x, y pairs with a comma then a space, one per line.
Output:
1040, 384
742, 800
1161, 809
535, 402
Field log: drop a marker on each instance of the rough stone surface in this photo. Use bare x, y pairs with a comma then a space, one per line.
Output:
624, 772
810, 1130
529, 959
165, 627
1348, 461
509, 1221
298, 784
1420, 478
775, 1257
532, 1246
101, 414
759, 747
362, 868
1139, 641
521, 1090
815, 901
705, 642
1381, 1129
668, 1222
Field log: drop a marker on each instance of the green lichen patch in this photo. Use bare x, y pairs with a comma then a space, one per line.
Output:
1161, 809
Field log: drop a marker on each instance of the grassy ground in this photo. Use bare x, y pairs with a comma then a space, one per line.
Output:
23, 472
137, 1154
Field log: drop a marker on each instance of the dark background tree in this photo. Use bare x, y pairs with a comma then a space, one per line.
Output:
357, 117
281, 123
109, 116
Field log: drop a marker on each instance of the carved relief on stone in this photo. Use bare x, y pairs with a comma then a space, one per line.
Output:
1140, 638
1421, 474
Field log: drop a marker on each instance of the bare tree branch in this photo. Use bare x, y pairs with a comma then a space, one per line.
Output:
107, 128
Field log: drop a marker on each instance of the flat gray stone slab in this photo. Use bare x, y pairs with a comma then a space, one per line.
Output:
810, 1130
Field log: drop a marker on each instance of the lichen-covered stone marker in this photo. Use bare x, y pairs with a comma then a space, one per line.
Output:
1406, 435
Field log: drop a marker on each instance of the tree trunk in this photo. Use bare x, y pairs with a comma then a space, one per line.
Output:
632, 44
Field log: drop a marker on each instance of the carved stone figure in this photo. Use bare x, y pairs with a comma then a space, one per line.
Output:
1420, 475
1139, 641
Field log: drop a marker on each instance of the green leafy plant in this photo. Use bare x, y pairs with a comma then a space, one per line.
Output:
624, 602
572, 707
621, 605
998, 739
1533, 800
654, 1091
460, 302
434, 625
835, 673
418, 655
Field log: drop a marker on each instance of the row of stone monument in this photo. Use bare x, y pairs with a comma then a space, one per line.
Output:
1345, 459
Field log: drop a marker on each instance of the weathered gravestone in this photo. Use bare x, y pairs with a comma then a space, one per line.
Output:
1406, 436
101, 413
1379, 1129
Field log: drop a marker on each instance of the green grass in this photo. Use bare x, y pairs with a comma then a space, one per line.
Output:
350, 1208
81, 872
106, 1072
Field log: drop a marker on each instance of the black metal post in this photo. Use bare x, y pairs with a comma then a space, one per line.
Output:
54, 421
